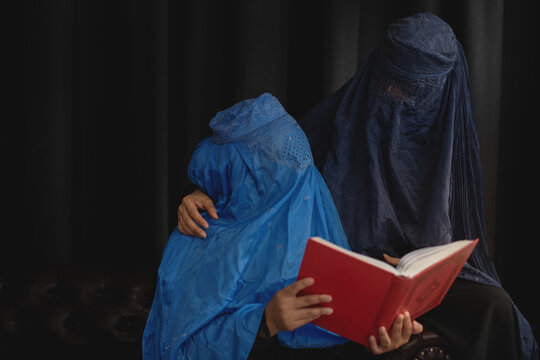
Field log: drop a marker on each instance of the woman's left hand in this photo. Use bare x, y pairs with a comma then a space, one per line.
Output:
400, 333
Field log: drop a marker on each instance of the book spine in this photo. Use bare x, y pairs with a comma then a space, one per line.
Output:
392, 305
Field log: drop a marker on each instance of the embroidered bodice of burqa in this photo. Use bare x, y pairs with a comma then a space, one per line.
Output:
398, 148
270, 198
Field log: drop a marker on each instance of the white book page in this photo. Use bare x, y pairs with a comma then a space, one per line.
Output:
417, 260
411, 263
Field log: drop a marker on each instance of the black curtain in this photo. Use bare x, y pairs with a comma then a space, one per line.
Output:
110, 98
91, 169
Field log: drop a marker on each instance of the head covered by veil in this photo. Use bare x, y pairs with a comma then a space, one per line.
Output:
269, 196
402, 161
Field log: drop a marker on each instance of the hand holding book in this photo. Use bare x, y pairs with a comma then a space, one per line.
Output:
287, 311
400, 333
369, 293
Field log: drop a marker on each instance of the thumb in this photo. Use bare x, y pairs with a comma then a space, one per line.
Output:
391, 260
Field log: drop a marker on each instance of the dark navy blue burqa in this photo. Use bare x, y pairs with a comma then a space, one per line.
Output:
403, 161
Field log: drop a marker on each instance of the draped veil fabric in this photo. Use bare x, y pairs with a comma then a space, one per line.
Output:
211, 293
398, 148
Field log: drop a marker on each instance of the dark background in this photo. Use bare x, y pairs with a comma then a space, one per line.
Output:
107, 100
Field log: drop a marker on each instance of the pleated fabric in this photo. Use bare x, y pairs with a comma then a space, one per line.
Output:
398, 148
270, 198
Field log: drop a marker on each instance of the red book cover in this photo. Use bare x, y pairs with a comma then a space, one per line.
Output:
368, 293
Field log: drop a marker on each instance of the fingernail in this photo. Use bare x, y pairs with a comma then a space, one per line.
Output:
328, 311
309, 281
326, 298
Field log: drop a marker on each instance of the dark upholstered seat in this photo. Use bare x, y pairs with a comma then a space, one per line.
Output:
69, 312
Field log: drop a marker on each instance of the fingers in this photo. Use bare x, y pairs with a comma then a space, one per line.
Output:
384, 338
182, 227
192, 210
400, 333
186, 225
298, 286
304, 316
204, 202
397, 327
306, 301
210, 208
189, 218
385, 342
300, 317
287, 311
373, 346
309, 300
406, 329
397, 337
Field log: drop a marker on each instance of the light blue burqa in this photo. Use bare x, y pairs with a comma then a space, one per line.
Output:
211, 293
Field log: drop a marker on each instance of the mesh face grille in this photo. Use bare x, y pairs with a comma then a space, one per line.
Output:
397, 88
390, 84
296, 148
287, 145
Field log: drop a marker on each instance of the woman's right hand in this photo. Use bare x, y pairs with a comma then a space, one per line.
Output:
287, 311
189, 217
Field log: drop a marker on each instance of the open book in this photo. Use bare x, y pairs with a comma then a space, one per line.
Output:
368, 293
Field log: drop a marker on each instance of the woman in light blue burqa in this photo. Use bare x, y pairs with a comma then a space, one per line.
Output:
398, 149
211, 293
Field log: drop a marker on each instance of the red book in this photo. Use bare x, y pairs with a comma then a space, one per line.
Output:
368, 293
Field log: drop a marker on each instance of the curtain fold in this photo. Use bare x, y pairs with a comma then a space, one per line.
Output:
119, 94
93, 134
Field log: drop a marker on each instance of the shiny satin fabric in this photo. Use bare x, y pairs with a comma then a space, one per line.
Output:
398, 148
269, 196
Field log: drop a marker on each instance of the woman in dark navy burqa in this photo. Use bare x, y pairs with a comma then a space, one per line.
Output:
398, 149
